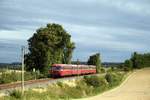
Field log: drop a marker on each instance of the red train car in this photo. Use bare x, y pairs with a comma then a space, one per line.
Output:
60, 70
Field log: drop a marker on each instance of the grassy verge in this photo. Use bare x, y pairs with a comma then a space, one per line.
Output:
88, 86
14, 76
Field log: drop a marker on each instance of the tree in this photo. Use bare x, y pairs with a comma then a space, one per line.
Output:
68, 52
140, 60
128, 64
95, 60
134, 60
49, 45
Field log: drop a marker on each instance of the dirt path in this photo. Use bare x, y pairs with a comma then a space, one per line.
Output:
135, 87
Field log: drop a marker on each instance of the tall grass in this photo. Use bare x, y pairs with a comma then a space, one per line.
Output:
14, 76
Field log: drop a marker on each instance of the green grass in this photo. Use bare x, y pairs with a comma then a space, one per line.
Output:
14, 76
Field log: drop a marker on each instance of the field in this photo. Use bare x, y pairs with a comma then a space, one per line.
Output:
136, 87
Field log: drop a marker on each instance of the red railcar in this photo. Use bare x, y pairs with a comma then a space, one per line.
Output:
60, 70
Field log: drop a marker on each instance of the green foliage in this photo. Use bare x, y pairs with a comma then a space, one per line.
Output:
84, 89
49, 45
137, 61
68, 52
9, 77
128, 65
6, 77
109, 70
93, 81
126, 69
134, 60
16, 94
95, 60
102, 70
113, 78
143, 60
112, 68
60, 84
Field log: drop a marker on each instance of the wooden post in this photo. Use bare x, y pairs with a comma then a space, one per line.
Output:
22, 74
78, 66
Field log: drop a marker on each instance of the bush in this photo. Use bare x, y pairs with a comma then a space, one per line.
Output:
95, 81
92, 80
84, 89
112, 68
126, 69
102, 70
16, 94
109, 70
60, 84
113, 78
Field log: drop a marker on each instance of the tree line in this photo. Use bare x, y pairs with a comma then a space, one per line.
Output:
137, 61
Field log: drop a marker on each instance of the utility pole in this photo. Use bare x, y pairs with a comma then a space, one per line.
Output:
78, 67
22, 74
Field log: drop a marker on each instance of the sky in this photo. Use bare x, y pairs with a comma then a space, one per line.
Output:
113, 28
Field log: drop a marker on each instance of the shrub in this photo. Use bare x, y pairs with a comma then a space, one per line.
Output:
109, 70
60, 84
29, 76
84, 89
92, 80
16, 94
113, 78
112, 68
108, 77
126, 69
102, 70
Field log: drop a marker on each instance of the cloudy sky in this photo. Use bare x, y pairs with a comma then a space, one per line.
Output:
115, 28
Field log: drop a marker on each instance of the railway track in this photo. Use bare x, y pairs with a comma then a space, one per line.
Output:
36, 83
18, 84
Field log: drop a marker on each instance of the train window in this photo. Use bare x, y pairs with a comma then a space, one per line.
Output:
67, 68
56, 68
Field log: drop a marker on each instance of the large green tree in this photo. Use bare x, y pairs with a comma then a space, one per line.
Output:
49, 45
95, 60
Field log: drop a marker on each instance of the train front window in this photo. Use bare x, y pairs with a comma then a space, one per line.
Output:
56, 68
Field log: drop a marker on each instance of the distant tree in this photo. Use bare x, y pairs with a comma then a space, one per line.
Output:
128, 64
49, 45
95, 60
141, 60
134, 60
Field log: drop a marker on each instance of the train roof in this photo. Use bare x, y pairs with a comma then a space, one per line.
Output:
73, 65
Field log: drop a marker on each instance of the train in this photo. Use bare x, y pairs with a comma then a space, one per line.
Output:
61, 70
